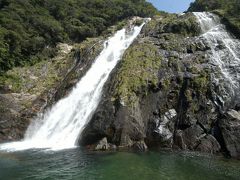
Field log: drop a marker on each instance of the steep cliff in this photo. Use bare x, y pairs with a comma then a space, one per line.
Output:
163, 94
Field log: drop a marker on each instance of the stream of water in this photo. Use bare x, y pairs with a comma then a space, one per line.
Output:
60, 126
224, 57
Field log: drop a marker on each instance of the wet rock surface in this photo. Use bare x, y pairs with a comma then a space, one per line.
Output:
162, 94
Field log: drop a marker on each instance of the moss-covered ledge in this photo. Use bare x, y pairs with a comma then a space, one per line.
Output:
138, 71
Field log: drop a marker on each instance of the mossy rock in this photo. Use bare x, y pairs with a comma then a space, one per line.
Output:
39, 77
185, 25
138, 71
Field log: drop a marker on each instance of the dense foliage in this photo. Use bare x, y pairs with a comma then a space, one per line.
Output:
230, 7
28, 27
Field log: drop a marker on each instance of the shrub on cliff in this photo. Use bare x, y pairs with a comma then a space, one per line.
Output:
231, 7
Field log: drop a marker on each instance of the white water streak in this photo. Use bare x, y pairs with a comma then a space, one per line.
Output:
225, 53
59, 128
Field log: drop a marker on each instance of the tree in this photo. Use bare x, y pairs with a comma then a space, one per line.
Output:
27, 27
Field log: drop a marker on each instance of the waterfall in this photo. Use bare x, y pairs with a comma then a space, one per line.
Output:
60, 126
224, 57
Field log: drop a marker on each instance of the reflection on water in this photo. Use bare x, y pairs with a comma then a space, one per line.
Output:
77, 164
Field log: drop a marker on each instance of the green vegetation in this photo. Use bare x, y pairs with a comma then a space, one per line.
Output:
39, 77
230, 6
186, 26
47, 74
138, 71
28, 27
228, 9
172, 23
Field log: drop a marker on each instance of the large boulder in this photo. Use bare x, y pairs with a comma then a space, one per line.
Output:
159, 87
230, 127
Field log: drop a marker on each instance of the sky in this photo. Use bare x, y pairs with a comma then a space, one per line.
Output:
172, 6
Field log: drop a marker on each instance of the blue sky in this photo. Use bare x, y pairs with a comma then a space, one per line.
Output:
172, 6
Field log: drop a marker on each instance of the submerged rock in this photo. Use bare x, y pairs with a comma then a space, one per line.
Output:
208, 144
139, 146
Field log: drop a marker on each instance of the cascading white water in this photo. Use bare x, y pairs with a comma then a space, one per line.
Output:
225, 55
59, 128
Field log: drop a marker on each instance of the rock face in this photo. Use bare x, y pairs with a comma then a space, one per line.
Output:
102, 145
161, 94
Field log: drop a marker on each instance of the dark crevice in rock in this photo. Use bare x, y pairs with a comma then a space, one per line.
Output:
217, 133
196, 146
182, 107
203, 128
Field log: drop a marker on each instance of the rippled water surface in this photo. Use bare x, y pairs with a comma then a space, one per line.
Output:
77, 164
